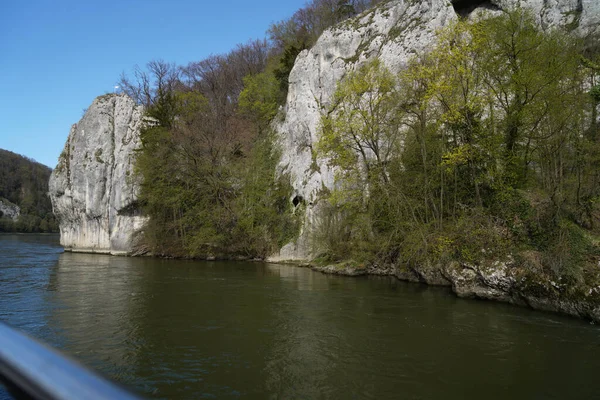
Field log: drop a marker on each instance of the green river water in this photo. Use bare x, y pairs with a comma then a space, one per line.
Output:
229, 330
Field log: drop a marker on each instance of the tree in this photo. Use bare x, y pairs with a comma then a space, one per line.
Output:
360, 133
525, 70
259, 99
24, 182
195, 156
455, 86
152, 86
362, 127
290, 36
482, 142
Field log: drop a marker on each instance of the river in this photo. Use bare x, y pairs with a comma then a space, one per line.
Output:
227, 330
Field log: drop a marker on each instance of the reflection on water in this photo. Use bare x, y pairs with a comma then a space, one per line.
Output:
184, 329
97, 309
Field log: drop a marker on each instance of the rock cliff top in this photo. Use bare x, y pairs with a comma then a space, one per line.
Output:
93, 190
9, 210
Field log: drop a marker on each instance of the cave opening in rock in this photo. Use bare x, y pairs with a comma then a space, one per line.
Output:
133, 209
297, 200
466, 7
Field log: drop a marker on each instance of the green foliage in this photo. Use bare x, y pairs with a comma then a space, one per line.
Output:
595, 93
286, 63
309, 22
24, 182
499, 153
290, 36
209, 194
337, 233
259, 100
265, 221
361, 130
483, 147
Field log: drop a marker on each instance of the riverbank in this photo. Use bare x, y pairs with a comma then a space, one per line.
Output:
182, 329
521, 283
508, 282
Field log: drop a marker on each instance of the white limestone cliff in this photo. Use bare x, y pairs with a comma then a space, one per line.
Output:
393, 32
9, 210
92, 189
94, 194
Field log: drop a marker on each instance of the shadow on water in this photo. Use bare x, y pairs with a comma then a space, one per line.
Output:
187, 329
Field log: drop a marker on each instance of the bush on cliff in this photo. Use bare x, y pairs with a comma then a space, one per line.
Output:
208, 163
489, 144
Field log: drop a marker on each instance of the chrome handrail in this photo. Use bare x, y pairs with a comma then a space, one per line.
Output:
32, 370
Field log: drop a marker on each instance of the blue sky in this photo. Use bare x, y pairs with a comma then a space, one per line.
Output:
56, 56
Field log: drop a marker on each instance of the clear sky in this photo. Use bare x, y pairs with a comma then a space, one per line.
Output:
56, 56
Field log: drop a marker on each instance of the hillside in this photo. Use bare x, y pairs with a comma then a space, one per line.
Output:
417, 140
24, 184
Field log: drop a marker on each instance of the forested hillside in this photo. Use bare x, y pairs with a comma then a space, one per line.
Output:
485, 148
208, 166
24, 182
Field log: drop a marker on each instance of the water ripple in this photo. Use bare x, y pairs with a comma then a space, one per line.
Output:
185, 329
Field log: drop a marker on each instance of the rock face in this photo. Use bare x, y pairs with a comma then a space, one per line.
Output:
393, 32
92, 189
505, 281
9, 210
581, 16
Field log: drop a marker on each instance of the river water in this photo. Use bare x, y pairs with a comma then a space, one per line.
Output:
228, 330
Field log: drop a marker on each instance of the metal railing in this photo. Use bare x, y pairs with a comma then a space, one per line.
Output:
30, 370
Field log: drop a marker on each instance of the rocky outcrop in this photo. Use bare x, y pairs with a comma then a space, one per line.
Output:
393, 32
506, 281
580, 16
511, 282
93, 188
9, 210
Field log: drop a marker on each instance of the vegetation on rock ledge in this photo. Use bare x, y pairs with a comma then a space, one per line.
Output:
208, 161
486, 146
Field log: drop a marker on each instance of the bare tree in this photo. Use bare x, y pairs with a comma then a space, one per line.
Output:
147, 85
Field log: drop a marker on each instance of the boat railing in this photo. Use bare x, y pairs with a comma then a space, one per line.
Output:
32, 370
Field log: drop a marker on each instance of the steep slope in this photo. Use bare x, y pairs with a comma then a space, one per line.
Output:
92, 188
393, 32
24, 203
